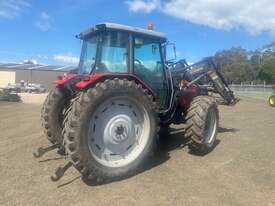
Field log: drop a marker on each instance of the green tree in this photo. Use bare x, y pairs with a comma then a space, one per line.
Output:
234, 65
267, 72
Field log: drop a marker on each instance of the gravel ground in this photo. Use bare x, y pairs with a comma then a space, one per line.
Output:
239, 171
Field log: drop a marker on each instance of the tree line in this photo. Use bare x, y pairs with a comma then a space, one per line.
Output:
241, 66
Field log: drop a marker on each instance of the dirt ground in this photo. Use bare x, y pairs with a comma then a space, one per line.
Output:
239, 171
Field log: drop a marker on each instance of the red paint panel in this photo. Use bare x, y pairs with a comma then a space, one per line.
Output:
187, 95
63, 79
90, 79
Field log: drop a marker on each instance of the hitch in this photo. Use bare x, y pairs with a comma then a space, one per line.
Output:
60, 171
41, 151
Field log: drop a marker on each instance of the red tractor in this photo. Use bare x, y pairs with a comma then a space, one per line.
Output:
107, 115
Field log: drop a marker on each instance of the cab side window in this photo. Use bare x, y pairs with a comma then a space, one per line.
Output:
148, 66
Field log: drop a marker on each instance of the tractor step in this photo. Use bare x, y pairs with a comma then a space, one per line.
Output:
41, 151
60, 171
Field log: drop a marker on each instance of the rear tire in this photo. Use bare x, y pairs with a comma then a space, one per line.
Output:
92, 139
202, 122
53, 112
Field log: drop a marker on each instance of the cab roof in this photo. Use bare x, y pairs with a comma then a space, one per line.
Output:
121, 27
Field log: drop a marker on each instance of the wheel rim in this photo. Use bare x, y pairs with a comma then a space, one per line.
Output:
119, 130
211, 126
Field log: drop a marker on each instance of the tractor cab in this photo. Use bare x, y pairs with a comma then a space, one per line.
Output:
120, 49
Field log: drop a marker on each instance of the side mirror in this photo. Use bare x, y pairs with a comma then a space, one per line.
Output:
170, 50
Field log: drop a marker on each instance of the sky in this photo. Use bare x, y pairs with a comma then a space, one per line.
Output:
45, 30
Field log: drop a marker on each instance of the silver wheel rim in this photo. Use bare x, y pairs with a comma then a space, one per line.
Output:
211, 127
119, 131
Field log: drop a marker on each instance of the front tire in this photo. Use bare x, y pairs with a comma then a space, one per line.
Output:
202, 122
111, 130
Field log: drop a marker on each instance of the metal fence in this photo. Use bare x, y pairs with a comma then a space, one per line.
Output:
260, 91
251, 87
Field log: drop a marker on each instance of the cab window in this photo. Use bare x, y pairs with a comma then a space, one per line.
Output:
148, 66
113, 53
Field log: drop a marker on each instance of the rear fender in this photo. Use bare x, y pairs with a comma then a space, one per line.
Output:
67, 82
63, 79
90, 80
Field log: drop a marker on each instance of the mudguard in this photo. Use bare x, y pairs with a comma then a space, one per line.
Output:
63, 79
89, 80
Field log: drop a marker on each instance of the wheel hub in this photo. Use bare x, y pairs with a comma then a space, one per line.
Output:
120, 133
119, 129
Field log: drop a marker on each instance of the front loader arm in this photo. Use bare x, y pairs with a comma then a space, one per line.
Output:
203, 73
220, 86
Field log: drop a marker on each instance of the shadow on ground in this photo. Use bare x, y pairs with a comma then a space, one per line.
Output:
168, 141
230, 130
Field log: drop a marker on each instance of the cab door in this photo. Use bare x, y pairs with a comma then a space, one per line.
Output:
149, 67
